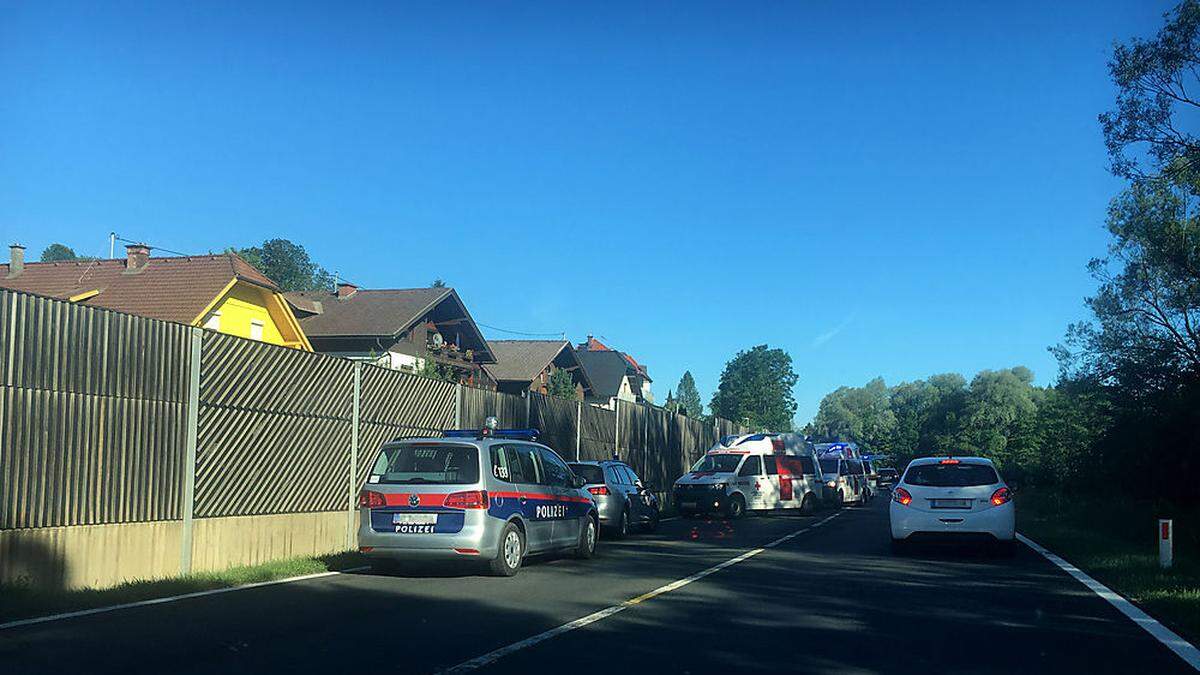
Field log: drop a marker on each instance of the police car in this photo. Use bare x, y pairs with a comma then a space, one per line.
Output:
752, 472
489, 495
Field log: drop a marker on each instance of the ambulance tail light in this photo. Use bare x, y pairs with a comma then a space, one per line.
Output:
370, 499
471, 499
901, 496
599, 490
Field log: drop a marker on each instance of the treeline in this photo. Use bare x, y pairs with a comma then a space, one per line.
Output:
1124, 416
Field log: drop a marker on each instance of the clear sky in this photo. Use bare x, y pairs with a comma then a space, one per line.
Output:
892, 189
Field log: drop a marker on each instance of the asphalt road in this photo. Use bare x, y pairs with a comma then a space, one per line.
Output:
833, 599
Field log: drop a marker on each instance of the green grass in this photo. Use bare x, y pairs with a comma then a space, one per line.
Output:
20, 601
1113, 540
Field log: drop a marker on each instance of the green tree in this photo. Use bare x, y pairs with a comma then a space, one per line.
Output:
288, 265
437, 371
1151, 131
860, 414
756, 388
688, 397
60, 252
671, 404
438, 283
561, 384
999, 415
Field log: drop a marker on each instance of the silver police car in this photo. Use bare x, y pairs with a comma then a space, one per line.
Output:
489, 495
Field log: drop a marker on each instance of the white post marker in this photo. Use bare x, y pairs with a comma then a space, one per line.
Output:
1166, 544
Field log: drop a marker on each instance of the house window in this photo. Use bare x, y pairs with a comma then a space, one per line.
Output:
256, 328
214, 321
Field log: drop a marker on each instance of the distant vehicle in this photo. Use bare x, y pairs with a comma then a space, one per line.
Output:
845, 482
888, 478
621, 500
752, 472
872, 477
955, 498
486, 495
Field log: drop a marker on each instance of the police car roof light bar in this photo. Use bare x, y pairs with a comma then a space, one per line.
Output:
510, 434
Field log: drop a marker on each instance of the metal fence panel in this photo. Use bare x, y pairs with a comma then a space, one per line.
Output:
597, 437
399, 405
94, 409
555, 418
274, 429
479, 404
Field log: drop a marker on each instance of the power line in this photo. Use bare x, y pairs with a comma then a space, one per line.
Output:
117, 237
560, 334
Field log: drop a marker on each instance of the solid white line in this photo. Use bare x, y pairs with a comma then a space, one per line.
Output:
1182, 648
497, 654
172, 598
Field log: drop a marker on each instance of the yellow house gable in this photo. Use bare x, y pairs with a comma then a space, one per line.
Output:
249, 311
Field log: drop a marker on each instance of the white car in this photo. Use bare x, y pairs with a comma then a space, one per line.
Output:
955, 498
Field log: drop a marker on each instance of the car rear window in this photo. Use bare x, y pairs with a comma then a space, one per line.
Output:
589, 472
427, 464
951, 475
829, 466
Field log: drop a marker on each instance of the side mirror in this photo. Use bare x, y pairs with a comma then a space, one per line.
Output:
577, 481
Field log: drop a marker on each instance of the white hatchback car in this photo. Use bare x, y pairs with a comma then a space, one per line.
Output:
954, 498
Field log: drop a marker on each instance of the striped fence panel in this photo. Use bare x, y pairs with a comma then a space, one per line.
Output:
393, 404
274, 429
93, 406
479, 404
555, 418
597, 432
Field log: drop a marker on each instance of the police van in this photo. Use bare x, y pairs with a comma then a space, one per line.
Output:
752, 472
490, 495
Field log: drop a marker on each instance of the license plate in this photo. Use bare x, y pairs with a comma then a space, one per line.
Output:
414, 523
687, 505
950, 503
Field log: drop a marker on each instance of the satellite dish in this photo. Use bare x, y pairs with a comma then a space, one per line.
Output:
437, 340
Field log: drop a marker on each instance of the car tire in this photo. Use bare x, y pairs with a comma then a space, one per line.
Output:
839, 500
652, 524
1006, 549
622, 529
587, 539
507, 560
899, 547
806, 505
736, 508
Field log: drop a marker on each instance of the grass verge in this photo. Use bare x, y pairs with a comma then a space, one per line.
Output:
1113, 540
23, 601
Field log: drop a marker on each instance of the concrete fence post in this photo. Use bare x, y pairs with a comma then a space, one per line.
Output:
352, 507
528, 401
578, 426
617, 429
196, 338
458, 397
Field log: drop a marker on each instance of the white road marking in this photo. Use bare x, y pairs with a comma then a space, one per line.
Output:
172, 598
497, 654
1182, 648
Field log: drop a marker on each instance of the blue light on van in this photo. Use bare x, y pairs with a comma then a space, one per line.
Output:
511, 434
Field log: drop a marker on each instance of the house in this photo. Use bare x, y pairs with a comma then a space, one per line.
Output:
221, 292
613, 374
528, 365
403, 329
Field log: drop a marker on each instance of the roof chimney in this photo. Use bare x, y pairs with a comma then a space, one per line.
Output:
345, 290
136, 257
16, 263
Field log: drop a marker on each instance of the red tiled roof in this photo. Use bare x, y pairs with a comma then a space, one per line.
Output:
171, 289
594, 345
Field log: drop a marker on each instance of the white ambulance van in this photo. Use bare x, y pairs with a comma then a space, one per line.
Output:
753, 472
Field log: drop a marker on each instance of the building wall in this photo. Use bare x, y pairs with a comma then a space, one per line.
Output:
245, 304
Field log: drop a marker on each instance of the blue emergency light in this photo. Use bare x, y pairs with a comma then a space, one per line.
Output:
510, 434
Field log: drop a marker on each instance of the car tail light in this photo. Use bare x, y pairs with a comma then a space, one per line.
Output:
949, 461
472, 499
901, 496
371, 500
1001, 496
599, 490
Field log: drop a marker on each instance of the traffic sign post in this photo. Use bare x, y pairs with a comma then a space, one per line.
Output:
1166, 539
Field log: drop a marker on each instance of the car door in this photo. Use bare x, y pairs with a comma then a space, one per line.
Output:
775, 486
525, 467
560, 511
637, 505
749, 481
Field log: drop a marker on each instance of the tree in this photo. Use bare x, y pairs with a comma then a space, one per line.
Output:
438, 283
288, 265
671, 404
561, 384
688, 397
1156, 81
860, 414
59, 253
756, 389
437, 371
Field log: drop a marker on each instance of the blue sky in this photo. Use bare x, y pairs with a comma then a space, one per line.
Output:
892, 189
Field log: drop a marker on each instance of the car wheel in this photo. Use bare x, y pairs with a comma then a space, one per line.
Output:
806, 505
1006, 549
623, 524
587, 540
737, 507
510, 553
839, 500
899, 547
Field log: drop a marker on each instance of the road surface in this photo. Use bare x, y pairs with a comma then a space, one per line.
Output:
832, 599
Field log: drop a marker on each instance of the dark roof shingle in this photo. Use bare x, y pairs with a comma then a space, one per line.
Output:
523, 360
368, 312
